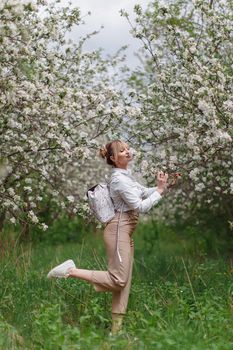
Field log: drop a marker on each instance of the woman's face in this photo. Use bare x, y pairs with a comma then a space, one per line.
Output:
124, 156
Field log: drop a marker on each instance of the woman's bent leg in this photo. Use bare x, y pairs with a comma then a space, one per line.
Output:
101, 280
120, 297
82, 274
116, 277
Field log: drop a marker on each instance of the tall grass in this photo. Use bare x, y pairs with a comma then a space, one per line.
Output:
181, 296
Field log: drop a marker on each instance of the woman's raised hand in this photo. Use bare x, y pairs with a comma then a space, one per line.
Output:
161, 181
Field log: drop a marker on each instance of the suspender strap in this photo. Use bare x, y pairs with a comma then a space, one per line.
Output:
118, 233
118, 228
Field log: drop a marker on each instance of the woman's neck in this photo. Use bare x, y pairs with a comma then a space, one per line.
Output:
122, 167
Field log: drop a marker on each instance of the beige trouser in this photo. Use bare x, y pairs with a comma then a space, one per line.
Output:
117, 279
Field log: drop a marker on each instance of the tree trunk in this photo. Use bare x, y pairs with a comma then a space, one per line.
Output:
25, 233
2, 219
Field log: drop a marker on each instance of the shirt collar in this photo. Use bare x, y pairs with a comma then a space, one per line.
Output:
121, 171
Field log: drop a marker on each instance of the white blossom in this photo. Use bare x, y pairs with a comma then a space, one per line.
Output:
70, 198
44, 226
27, 189
13, 220
33, 218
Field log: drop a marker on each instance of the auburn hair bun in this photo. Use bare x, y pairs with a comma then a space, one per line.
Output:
103, 152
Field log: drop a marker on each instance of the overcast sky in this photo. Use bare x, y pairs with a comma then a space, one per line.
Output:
116, 28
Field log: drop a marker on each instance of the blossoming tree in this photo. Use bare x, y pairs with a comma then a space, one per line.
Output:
185, 91
56, 103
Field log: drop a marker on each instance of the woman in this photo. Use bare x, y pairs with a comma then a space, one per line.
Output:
129, 198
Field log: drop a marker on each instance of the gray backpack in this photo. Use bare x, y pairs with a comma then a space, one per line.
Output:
100, 202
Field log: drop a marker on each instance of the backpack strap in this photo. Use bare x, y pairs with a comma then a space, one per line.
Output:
118, 224
118, 233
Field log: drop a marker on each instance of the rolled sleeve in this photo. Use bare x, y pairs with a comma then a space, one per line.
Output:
147, 191
128, 192
149, 202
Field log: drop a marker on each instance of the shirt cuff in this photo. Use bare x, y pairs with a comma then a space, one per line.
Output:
155, 196
155, 189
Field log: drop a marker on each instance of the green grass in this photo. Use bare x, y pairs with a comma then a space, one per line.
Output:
181, 297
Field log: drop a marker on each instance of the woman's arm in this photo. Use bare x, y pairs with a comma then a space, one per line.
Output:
162, 184
132, 199
146, 191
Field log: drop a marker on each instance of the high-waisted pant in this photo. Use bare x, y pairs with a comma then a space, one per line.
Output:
117, 278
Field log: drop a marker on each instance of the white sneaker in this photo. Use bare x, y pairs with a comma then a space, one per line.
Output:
61, 271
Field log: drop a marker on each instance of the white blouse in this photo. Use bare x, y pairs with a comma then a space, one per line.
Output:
127, 192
